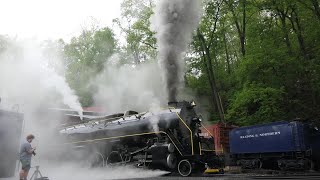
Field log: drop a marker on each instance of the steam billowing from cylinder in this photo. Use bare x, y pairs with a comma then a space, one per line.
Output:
174, 21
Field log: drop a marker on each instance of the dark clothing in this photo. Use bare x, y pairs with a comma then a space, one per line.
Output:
24, 151
26, 165
25, 156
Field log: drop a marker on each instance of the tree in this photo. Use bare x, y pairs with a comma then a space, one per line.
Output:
256, 61
85, 57
135, 24
238, 10
255, 105
278, 53
205, 43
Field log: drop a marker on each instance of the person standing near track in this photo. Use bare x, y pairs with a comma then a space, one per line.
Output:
26, 152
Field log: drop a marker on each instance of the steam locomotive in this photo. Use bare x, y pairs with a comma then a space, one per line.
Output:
166, 139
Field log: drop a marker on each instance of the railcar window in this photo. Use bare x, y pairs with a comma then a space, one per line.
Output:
207, 143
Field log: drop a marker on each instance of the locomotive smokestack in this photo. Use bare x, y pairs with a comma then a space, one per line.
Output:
182, 104
174, 21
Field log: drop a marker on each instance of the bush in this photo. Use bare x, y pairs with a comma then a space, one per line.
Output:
254, 104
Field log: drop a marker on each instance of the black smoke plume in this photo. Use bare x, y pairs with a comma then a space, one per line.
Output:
174, 21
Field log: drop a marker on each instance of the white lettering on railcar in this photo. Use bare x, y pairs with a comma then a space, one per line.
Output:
260, 135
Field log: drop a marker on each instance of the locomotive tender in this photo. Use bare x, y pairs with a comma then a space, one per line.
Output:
288, 145
11, 124
167, 139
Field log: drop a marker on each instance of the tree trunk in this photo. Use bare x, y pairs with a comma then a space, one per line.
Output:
227, 52
298, 30
286, 34
240, 28
214, 105
208, 64
135, 54
316, 7
243, 34
282, 16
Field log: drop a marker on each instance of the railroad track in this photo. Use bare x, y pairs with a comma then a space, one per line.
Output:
288, 175
277, 174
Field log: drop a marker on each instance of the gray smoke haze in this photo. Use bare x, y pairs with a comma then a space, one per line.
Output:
30, 83
174, 21
27, 79
128, 87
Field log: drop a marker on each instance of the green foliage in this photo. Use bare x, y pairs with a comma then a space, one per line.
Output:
254, 104
278, 75
135, 23
199, 85
85, 57
92, 48
254, 61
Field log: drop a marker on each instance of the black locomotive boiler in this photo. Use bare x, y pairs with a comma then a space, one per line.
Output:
166, 139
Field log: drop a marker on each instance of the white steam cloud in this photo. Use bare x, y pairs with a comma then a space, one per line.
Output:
72, 171
123, 87
27, 79
30, 83
174, 21
154, 109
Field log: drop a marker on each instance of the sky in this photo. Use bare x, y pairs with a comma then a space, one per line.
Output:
54, 19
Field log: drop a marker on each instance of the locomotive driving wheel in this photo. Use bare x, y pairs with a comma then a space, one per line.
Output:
114, 157
184, 167
95, 159
258, 164
171, 161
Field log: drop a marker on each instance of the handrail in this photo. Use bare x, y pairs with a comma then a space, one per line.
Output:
191, 139
212, 150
